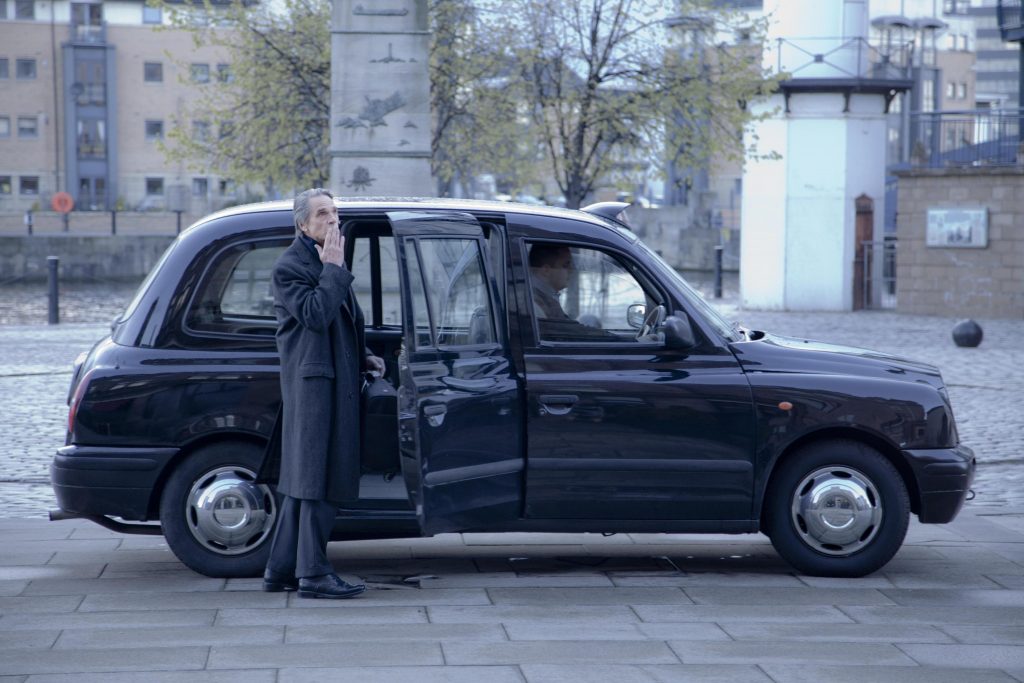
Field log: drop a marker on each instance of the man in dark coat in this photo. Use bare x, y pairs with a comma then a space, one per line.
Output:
321, 344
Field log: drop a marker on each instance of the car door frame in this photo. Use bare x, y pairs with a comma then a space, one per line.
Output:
457, 484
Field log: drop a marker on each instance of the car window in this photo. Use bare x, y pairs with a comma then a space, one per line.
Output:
456, 292
362, 259
586, 295
234, 296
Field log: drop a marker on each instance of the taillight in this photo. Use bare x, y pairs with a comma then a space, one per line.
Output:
76, 399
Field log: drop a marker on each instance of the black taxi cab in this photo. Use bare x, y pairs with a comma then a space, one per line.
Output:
635, 408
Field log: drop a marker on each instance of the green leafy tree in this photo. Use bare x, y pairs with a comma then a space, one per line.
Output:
614, 85
476, 100
266, 119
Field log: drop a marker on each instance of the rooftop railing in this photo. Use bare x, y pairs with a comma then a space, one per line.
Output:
982, 137
844, 58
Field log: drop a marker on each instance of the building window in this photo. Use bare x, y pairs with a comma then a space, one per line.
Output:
24, 9
5, 65
28, 127
961, 91
29, 185
200, 186
951, 90
155, 187
224, 73
201, 131
154, 130
226, 188
200, 73
5, 184
5, 126
227, 129
25, 69
3, 15
92, 139
153, 72
151, 15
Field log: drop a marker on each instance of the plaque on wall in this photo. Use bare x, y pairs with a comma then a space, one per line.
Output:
957, 228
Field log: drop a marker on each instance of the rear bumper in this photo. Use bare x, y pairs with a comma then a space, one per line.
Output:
119, 482
944, 477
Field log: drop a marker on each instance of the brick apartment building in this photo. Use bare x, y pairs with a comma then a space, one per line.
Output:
87, 92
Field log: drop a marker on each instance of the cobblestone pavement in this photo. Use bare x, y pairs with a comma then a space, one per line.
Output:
984, 382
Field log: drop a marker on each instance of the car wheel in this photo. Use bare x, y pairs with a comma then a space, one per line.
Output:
837, 508
215, 518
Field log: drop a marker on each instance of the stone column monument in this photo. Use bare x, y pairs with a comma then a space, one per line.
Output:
380, 98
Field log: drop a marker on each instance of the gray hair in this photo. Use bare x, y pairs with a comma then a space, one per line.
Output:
300, 207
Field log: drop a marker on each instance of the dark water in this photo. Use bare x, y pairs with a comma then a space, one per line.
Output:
79, 302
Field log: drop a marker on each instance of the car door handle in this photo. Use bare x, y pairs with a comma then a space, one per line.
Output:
470, 384
556, 404
435, 412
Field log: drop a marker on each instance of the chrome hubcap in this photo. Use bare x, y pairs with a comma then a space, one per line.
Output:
837, 510
228, 513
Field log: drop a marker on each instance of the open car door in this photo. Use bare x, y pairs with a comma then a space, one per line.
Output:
460, 427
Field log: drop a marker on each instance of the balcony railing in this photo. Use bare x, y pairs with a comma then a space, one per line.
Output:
1010, 14
95, 34
983, 137
843, 58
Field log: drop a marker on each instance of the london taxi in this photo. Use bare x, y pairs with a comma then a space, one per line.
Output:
648, 413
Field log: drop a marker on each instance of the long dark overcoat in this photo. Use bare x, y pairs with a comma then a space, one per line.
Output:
321, 342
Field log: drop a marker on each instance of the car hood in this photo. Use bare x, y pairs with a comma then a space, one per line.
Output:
779, 354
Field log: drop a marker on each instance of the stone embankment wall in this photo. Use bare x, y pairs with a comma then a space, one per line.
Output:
82, 257
683, 241
983, 282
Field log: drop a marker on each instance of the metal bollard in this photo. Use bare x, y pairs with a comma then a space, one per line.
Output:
52, 262
113, 222
718, 271
178, 230
67, 227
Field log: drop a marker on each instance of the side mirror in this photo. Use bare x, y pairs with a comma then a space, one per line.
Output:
678, 333
635, 315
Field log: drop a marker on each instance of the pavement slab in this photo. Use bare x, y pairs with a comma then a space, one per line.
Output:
403, 674
801, 673
560, 652
648, 673
364, 653
769, 651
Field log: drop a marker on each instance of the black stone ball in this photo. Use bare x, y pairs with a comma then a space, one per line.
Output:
967, 333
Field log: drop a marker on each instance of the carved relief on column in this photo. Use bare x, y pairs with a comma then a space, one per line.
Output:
380, 98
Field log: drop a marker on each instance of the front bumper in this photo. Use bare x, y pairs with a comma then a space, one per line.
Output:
944, 477
119, 482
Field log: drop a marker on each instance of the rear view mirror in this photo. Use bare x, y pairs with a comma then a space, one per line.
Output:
635, 315
678, 333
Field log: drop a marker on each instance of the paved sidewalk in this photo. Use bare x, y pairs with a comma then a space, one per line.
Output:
79, 603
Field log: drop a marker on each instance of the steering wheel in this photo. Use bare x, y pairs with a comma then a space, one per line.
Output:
653, 320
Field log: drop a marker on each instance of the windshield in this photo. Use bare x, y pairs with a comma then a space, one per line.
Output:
693, 297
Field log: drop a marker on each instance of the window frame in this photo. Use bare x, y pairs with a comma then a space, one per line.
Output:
152, 15
25, 61
249, 244
150, 179
34, 134
196, 71
8, 182
5, 67
20, 6
626, 261
488, 278
154, 136
160, 68
7, 134
22, 180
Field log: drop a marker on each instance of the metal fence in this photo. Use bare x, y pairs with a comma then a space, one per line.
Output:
879, 275
980, 137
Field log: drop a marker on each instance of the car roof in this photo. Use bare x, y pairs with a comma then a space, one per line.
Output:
424, 203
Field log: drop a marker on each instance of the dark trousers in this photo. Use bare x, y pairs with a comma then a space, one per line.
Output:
300, 540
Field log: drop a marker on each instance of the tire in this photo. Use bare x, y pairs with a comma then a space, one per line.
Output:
837, 508
215, 519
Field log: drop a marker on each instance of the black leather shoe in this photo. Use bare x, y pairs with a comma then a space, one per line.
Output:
276, 583
329, 586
